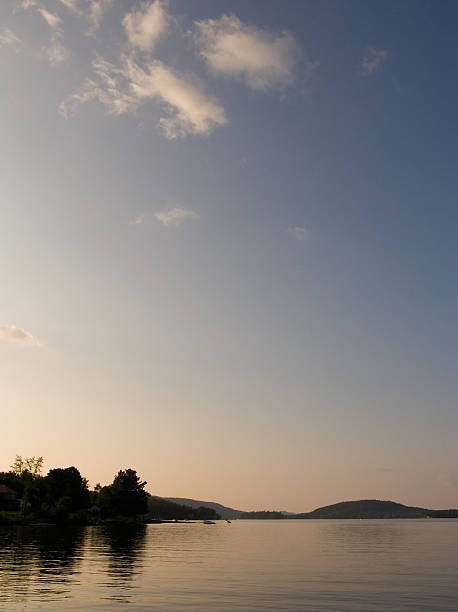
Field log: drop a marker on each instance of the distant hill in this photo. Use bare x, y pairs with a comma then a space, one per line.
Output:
365, 509
223, 511
360, 509
161, 508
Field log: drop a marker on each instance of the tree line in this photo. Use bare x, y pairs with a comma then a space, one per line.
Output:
262, 515
63, 495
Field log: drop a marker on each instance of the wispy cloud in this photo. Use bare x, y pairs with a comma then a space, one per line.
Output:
297, 232
72, 5
121, 89
372, 60
16, 335
174, 216
96, 9
51, 19
56, 52
145, 25
9, 39
91, 9
264, 60
109, 87
190, 110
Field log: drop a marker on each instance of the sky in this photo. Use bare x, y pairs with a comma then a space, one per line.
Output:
228, 249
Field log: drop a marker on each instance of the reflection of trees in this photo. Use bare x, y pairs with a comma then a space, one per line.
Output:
38, 562
122, 546
58, 547
42, 563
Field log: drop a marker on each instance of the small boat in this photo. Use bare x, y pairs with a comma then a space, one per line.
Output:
207, 522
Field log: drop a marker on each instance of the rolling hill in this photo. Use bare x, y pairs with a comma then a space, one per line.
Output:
223, 511
372, 509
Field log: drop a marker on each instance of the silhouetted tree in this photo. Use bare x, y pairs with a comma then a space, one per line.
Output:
125, 497
32, 465
24, 478
66, 490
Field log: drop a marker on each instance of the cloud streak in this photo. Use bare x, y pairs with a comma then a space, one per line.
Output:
96, 10
109, 87
174, 216
51, 19
9, 39
189, 109
121, 89
71, 5
16, 335
55, 52
262, 59
298, 233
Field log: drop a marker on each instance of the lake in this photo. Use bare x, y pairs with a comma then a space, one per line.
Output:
290, 565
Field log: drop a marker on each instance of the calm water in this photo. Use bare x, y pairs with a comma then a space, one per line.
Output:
244, 566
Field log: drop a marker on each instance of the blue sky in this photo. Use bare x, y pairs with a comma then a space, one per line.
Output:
229, 246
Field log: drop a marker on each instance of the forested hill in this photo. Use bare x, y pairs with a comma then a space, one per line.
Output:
161, 508
366, 508
223, 511
363, 508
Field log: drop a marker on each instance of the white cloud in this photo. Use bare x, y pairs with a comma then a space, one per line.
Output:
298, 233
136, 221
11, 333
174, 216
52, 20
145, 25
9, 39
56, 52
190, 109
110, 88
71, 5
372, 60
122, 89
96, 10
264, 60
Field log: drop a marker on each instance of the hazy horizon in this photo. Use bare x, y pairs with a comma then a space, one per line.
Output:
229, 247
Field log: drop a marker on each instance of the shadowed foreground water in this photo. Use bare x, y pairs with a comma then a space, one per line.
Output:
246, 566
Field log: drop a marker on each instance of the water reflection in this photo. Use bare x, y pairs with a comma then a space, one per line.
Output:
120, 549
39, 561
248, 566
45, 562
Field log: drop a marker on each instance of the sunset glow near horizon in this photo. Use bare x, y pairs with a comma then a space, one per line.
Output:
229, 247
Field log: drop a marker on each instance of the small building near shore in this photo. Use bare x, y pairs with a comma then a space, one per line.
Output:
8, 498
